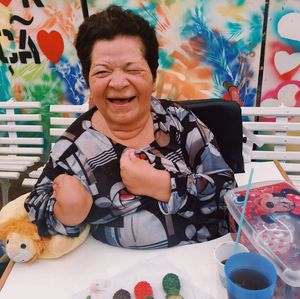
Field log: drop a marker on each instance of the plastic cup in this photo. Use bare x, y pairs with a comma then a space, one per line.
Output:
222, 253
250, 276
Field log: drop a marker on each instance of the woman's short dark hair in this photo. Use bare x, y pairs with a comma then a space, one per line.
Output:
108, 24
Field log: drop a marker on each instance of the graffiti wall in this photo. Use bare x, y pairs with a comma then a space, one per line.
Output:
204, 45
281, 76
37, 57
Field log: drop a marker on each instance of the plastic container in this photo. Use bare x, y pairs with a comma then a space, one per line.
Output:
272, 228
222, 253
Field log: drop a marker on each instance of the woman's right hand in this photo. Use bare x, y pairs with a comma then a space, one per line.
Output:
141, 178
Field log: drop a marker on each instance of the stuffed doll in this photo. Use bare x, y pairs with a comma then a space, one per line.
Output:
22, 241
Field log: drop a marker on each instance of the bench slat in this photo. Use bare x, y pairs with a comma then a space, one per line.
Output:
28, 159
21, 150
271, 111
24, 163
69, 108
271, 155
35, 174
15, 105
56, 132
62, 121
21, 128
20, 117
9, 175
27, 182
19, 158
14, 167
277, 139
271, 126
21, 140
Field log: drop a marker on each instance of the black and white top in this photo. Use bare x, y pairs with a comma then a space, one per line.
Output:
183, 145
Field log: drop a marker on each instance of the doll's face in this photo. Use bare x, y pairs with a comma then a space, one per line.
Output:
271, 203
20, 249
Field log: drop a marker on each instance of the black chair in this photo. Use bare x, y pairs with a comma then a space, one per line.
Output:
224, 119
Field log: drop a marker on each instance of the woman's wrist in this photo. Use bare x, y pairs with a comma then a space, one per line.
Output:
161, 186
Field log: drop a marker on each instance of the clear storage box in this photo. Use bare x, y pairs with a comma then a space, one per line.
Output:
272, 227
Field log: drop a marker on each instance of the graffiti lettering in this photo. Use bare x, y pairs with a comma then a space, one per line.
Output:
23, 54
38, 3
14, 57
21, 20
26, 54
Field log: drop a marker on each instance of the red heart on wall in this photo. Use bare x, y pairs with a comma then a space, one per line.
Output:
51, 44
5, 2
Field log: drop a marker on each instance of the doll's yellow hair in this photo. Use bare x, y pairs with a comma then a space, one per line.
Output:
27, 228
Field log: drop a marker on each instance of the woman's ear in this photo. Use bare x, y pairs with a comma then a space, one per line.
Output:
154, 86
91, 102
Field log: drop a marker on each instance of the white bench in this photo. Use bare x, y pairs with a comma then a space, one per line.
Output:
21, 144
280, 135
278, 129
68, 113
61, 117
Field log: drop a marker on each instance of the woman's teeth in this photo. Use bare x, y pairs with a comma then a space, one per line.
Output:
121, 100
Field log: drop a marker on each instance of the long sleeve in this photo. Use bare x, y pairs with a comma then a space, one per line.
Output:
40, 202
197, 192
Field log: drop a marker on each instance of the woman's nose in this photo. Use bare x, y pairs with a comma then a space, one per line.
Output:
118, 80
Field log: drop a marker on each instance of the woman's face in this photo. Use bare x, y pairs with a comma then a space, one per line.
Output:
120, 79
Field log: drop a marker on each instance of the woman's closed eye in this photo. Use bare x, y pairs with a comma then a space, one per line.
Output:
102, 73
134, 71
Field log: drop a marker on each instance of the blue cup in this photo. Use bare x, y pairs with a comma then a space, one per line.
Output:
249, 276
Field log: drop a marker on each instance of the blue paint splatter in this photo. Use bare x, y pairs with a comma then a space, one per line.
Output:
5, 90
72, 79
239, 2
165, 61
224, 57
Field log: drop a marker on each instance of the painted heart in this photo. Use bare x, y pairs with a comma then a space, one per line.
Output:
51, 44
287, 26
285, 62
5, 2
286, 93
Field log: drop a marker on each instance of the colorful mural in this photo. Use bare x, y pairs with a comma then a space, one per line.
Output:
205, 46
281, 76
37, 57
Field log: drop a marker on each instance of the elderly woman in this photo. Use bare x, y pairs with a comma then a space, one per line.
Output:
143, 173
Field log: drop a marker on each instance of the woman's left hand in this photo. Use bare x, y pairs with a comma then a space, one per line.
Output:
141, 178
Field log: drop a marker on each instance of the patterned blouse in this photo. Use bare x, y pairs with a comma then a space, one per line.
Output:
183, 146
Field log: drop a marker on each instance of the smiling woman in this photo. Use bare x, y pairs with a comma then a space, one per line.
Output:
121, 85
144, 173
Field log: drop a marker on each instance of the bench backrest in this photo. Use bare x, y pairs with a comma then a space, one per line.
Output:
278, 133
21, 140
20, 130
64, 116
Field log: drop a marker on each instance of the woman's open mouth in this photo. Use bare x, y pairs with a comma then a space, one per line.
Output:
120, 101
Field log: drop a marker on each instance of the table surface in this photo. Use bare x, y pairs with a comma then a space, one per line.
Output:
263, 171
93, 261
